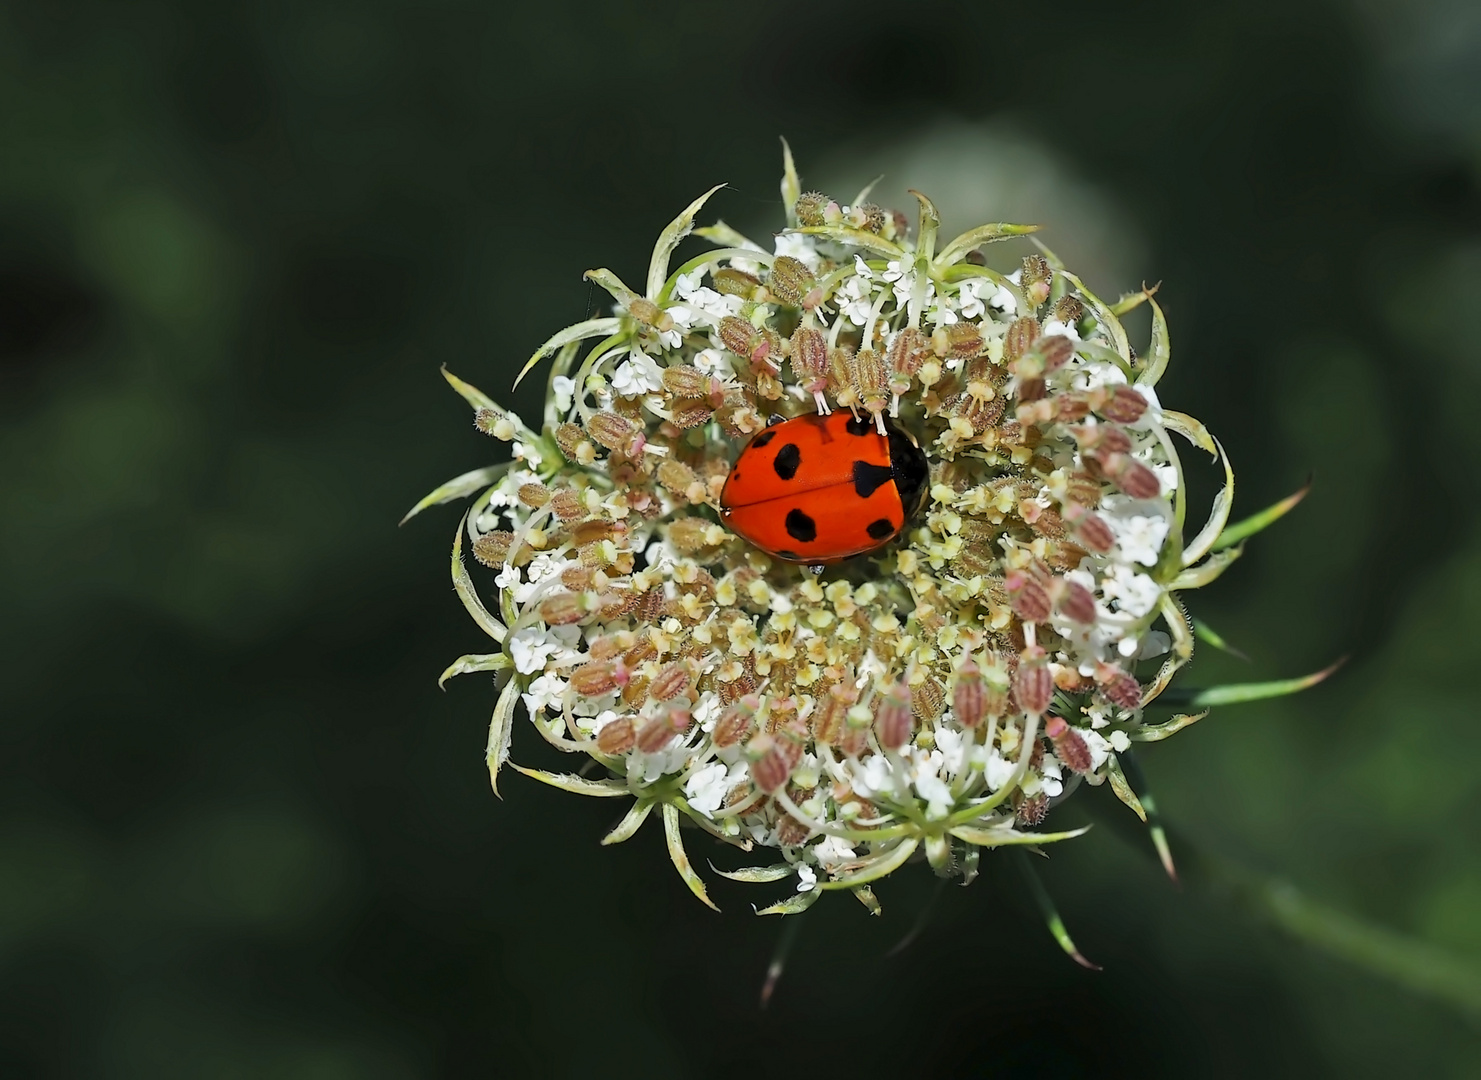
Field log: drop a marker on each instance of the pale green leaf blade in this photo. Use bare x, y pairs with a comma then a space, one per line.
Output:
727, 237
1206, 572
673, 233
859, 238
1154, 819
577, 785
879, 866
1191, 429
1103, 315
463, 665
1159, 351
1003, 836
791, 185
865, 895
1158, 732
1238, 693
676, 854
631, 822
1122, 789
501, 730
579, 332
470, 393
1218, 516
1051, 914
973, 239
755, 874
1132, 301
463, 586
1204, 632
1242, 530
795, 904
930, 224
458, 487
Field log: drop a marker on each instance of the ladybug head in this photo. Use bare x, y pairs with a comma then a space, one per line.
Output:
912, 471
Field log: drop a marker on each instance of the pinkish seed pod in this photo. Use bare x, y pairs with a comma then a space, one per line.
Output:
893, 722
1036, 279
563, 609
770, 768
594, 678
1124, 405
1117, 687
810, 208
684, 380
492, 549
969, 693
670, 682
792, 833
790, 280
1022, 332
1134, 478
996, 686
1089, 529
1069, 310
659, 731
676, 476
567, 503
1069, 745
737, 722
1054, 351
617, 736
810, 352
871, 384
612, 431
1029, 599
1030, 809
1075, 602
906, 352
1033, 683
534, 495
736, 335
732, 282
576, 578
830, 722
928, 701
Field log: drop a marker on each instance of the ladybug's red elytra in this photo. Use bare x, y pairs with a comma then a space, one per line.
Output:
818, 489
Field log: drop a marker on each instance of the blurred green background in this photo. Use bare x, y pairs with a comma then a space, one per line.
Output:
243, 834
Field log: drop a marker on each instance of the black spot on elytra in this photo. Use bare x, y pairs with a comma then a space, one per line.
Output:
880, 529
788, 458
868, 478
858, 425
801, 527
764, 438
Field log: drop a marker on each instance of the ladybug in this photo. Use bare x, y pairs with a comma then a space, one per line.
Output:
817, 489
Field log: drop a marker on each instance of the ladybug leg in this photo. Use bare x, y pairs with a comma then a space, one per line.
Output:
774, 419
817, 569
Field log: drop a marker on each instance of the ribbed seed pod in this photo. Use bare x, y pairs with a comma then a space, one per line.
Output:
1033, 683
732, 282
617, 736
1069, 745
892, 720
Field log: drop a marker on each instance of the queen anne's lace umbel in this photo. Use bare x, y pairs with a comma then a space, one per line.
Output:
940, 695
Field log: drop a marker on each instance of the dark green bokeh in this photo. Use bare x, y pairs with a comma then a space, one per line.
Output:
242, 834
